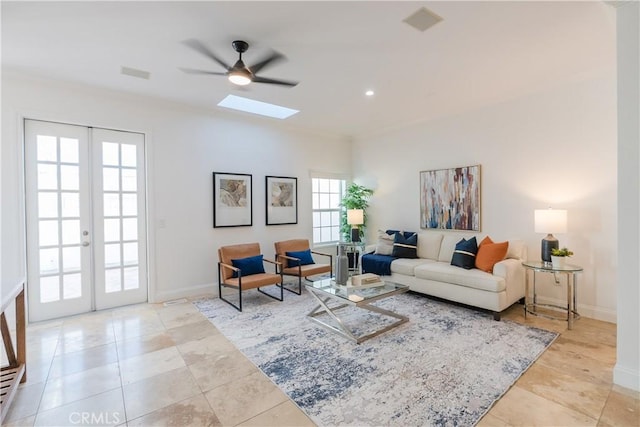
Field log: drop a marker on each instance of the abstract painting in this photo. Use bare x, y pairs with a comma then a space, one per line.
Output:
232, 205
281, 200
450, 198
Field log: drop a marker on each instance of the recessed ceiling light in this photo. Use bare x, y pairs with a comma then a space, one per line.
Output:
256, 107
369, 92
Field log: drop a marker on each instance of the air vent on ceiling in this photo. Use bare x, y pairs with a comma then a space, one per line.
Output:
141, 74
422, 19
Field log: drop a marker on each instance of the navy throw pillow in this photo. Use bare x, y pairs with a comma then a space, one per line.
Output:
304, 256
248, 266
465, 254
405, 247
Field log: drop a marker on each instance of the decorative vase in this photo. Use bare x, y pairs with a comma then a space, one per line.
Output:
557, 261
342, 267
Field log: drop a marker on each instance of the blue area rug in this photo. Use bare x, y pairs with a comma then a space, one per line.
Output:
446, 366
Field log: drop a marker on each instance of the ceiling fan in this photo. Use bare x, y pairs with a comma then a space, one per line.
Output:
239, 74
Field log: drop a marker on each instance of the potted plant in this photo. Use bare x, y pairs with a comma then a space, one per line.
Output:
558, 257
355, 197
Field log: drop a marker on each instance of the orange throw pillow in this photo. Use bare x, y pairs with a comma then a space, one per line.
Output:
490, 253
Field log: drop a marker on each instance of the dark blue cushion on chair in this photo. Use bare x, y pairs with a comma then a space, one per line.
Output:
465, 254
248, 266
304, 256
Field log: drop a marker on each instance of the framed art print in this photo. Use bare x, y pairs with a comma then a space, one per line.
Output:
281, 200
450, 198
232, 200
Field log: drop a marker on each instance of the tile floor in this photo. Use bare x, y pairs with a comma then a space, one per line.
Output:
153, 365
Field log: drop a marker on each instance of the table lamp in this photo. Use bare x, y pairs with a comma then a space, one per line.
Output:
550, 221
355, 218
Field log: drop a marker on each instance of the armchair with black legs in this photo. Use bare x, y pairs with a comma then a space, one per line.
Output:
241, 267
297, 259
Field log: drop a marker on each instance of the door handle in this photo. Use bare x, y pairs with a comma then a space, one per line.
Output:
86, 243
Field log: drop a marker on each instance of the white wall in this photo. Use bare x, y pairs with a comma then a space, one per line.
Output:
627, 369
184, 147
553, 148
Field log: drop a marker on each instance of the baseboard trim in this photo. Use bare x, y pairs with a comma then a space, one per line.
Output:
627, 378
592, 312
191, 291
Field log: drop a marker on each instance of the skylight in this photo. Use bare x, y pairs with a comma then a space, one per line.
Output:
256, 107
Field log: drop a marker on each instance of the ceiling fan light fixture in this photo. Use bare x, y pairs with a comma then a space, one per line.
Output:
239, 78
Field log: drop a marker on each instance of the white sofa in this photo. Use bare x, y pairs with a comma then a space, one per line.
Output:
432, 273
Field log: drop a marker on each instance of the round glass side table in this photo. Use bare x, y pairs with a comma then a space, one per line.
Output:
531, 304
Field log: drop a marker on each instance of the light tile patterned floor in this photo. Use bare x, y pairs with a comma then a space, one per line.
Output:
151, 365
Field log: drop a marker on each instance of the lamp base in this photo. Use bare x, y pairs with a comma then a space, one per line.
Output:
355, 235
548, 243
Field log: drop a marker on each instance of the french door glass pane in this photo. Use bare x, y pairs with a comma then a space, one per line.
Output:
111, 179
131, 278
111, 230
49, 261
130, 229
112, 280
128, 155
129, 180
70, 204
130, 253
335, 233
110, 154
130, 204
112, 255
47, 148
71, 232
71, 259
48, 233
69, 177
68, 150
72, 286
111, 204
47, 177
47, 205
49, 289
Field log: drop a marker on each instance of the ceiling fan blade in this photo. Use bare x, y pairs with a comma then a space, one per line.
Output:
268, 61
257, 79
194, 71
201, 48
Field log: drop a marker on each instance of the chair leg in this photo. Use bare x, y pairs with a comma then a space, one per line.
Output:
239, 308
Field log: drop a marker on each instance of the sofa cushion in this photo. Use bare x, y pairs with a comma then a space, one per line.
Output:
248, 266
429, 245
516, 248
489, 253
448, 245
406, 266
474, 278
464, 254
405, 247
385, 243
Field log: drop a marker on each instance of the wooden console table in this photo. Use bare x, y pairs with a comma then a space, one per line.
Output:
16, 372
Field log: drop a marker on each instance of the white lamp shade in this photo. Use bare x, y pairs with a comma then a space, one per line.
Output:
550, 221
355, 216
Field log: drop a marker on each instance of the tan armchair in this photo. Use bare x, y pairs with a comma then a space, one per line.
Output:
300, 271
243, 282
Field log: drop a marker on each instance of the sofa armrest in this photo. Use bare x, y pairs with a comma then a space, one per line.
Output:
514, 276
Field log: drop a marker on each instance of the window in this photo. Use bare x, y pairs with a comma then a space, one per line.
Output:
326, 195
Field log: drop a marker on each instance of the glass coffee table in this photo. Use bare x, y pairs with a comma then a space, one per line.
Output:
328, 293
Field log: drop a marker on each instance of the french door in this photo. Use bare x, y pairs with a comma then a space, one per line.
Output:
86, 219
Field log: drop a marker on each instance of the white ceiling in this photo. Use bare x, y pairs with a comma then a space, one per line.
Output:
481, 53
